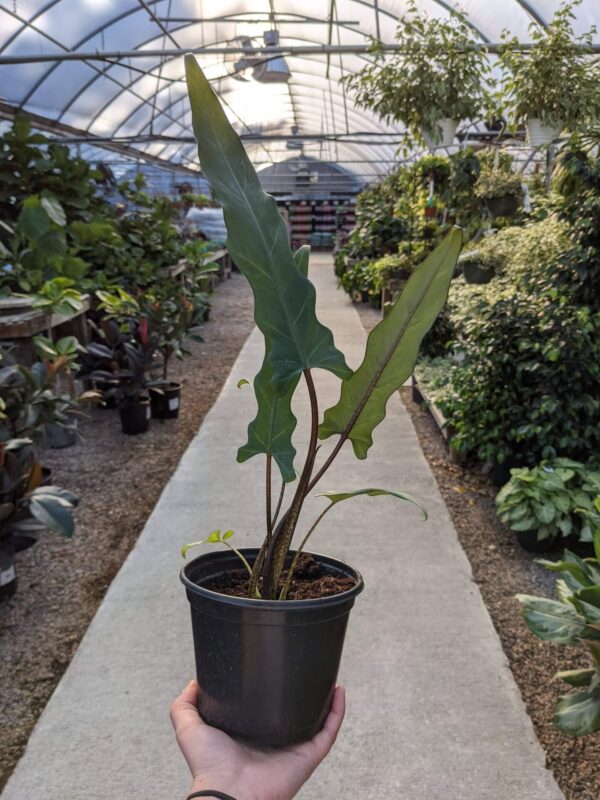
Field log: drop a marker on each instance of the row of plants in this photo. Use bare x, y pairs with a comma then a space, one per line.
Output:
56, 222
442, 75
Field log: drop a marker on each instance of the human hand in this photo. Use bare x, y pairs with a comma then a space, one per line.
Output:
219, 762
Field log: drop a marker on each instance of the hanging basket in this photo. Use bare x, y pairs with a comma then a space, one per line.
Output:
447, 129
541, 133
504, 205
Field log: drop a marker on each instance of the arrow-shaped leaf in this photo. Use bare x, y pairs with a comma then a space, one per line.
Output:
271, 430
579, 713
257, 238
392, 349
551, 620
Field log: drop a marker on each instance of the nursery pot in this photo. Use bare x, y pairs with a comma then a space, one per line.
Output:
477, 273
505, 205
135, 417
8, 575
528, 541
540, 133
267, 669
165, 401
448, 128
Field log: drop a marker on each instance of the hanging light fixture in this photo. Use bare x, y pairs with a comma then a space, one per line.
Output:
273, 69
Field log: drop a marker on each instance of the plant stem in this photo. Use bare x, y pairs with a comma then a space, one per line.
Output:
279, 502
288, 580
283, 534
268, 497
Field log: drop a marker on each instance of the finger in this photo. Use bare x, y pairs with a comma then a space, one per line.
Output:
184, 709
325, 739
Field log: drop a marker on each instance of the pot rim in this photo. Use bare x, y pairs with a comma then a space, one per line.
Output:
272, 605
172, 386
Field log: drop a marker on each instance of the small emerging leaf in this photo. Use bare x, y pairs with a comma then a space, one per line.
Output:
242, 382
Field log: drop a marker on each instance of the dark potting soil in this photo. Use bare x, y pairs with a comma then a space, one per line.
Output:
311, 580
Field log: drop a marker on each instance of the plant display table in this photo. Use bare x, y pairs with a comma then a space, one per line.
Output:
19, 323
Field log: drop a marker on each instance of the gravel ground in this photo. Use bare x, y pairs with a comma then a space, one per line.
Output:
502, 570
118, 479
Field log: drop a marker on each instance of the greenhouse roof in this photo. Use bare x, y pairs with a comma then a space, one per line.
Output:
112, 71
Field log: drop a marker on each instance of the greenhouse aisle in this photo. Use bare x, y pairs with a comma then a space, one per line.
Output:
433, 711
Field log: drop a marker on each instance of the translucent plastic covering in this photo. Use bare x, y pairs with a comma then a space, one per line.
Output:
142, 102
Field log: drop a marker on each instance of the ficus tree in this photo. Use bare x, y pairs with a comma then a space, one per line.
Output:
297, 343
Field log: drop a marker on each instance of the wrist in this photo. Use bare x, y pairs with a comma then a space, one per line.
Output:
202, 784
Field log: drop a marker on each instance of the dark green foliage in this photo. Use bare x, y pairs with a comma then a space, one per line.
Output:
529, 384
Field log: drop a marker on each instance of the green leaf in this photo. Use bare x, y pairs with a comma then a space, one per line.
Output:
551, 620
33, 221
579, 714
54, 210
527, 524
577, 677
242, 382
337, 497
284, 299
544, 512
214, 537
587, 602
52, 513
392, 349
227, 535
271, 430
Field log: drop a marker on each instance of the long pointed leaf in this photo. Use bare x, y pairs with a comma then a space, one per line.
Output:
337, 497
270, 432
392, 349
284, 299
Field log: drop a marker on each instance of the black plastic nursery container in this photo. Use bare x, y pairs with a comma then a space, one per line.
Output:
135, 417
8, 575
502, 206
267, 669
165, 401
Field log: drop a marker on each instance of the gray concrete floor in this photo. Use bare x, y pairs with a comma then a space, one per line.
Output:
433, 710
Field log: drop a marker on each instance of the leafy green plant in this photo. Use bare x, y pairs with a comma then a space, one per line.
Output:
556, 80
58, 296
548, 500
497, 182
295, 341
572, 619
439, 72
23, 499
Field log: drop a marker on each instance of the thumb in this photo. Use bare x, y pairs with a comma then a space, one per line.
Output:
184, 709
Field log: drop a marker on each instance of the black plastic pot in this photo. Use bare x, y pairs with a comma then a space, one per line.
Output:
529, 542
267, 669
8, 574
477, 273
135, 417
502, 206
165, 401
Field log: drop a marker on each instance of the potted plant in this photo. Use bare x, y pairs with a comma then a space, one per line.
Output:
500, 189
171, 316
553, 84
269, 622
23, 500
475, 268
572, 620
436, 79
132, 388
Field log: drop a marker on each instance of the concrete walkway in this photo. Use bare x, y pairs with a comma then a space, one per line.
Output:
433, 711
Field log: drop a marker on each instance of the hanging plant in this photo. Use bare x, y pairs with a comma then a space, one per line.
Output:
439, 77
554, 84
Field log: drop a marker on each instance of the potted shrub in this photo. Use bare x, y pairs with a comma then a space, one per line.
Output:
171, 316
554, 84
500, 189
23, 500
269, 622
437, 78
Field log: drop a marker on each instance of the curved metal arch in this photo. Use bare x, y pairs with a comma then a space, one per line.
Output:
115, 97
365, 118
90, 82
115, 20
535, 15
362, 115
